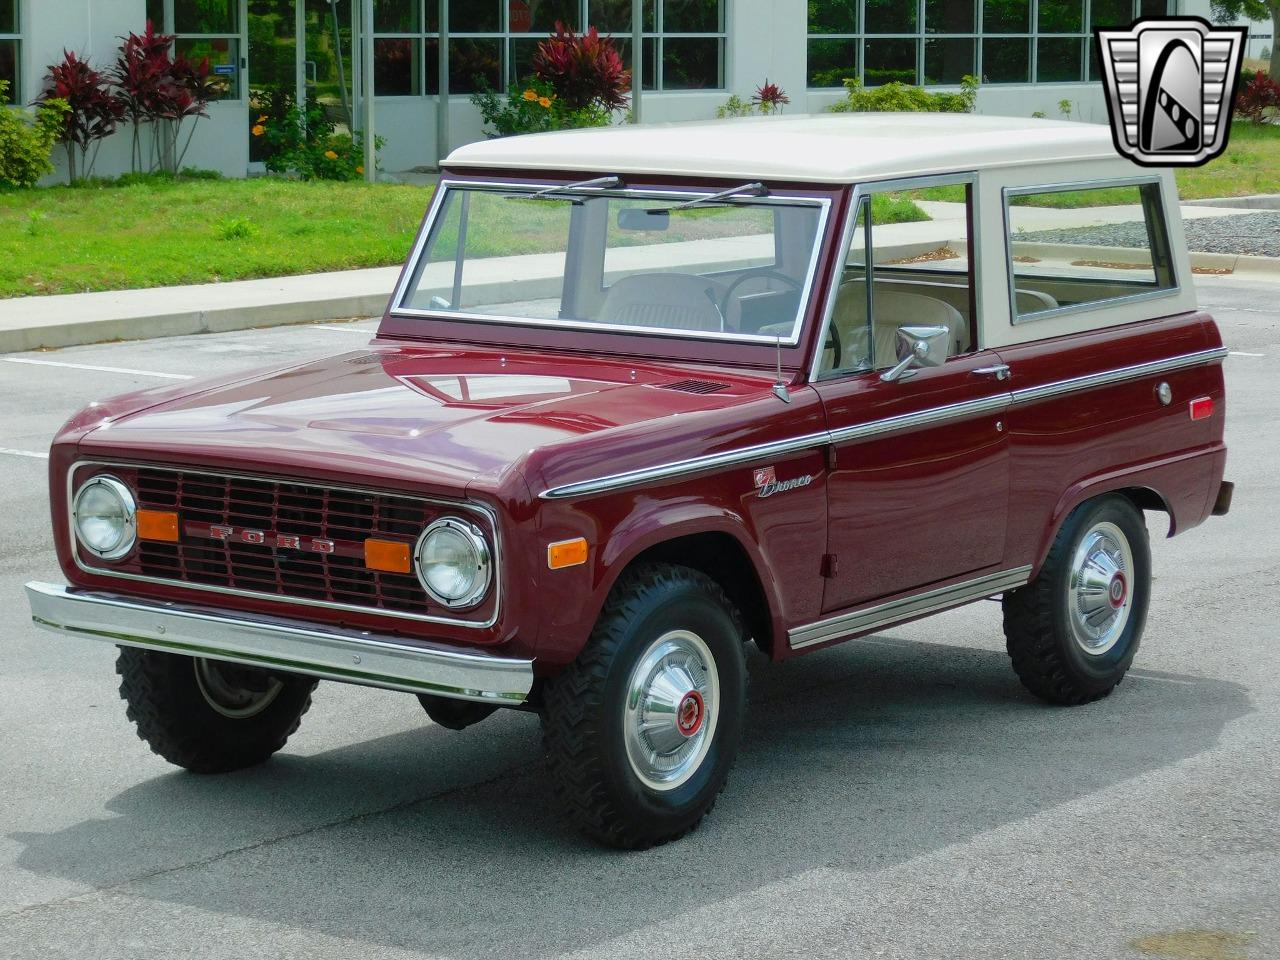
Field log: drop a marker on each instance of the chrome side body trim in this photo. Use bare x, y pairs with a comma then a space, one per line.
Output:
329, 653
873, 428
679, 468
921, 418
400, 309
1118, 375
471, 506
918, 605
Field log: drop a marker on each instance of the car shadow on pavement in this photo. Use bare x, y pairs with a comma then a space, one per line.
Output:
857, 758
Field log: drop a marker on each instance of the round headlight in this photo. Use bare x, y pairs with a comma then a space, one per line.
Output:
453, 562
104, 516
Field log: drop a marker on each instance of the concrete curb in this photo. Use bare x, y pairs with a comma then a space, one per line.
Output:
187, 322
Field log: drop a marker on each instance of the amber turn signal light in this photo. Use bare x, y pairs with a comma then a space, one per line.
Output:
387, 555
567, 553
157, 525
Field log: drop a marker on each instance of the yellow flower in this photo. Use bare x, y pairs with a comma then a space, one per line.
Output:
359, 169
262, 118
531, 94
258, 130
544, 101
331, 155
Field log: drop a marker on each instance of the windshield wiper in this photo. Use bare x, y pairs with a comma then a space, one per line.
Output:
554, 193
756, 189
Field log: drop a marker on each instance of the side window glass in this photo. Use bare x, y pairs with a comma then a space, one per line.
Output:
1056, 265
907, 265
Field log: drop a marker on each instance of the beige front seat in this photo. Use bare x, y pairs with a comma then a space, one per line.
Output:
892, 311
675, 301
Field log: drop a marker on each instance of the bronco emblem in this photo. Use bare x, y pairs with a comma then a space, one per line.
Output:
767, 482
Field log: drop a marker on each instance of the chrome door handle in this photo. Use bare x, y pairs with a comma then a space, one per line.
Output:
1000, 371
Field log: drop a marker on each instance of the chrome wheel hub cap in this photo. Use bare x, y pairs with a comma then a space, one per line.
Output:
1099, 598
229, 698
669, 717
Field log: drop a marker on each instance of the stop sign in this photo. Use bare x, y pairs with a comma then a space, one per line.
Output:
519, 16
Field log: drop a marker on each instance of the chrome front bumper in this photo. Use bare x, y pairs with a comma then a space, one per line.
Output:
291, 646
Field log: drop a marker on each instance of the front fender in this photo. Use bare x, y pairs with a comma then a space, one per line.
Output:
618, 530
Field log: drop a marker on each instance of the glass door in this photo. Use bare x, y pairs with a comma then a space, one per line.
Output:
274, 69
327, 68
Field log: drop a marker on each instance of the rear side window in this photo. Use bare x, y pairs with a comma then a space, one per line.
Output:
1074, 248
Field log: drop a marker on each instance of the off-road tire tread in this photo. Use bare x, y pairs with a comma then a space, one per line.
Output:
152, 703
573, 698
1029, 632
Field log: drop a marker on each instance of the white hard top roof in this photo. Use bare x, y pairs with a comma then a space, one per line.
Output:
817, 148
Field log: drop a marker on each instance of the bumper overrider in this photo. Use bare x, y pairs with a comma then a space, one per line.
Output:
291, 646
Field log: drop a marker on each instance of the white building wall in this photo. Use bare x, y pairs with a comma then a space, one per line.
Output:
766, 39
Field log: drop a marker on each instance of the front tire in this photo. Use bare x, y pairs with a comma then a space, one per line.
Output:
209, 716
1072, 632
643, 728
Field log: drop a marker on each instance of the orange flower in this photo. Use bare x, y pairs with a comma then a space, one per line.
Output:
331, 155
544, 101
531, 94
258, 130
360, 170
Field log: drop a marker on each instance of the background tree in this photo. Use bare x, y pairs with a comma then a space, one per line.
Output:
1227, 11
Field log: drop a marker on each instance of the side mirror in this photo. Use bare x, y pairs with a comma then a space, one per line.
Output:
918, 347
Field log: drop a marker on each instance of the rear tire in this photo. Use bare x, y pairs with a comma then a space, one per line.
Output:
1073, 631
209, 716
643, 728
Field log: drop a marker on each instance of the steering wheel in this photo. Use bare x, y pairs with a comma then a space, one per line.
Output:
833, 343
768, 272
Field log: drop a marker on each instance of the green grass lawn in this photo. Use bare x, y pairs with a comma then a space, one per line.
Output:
164, 232
64, 240
1250, 164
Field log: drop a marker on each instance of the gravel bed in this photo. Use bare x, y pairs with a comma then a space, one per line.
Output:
1255, 234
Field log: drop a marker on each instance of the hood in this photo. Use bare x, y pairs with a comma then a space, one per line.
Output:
439, 419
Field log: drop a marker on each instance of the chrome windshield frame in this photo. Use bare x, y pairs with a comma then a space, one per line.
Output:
407, 281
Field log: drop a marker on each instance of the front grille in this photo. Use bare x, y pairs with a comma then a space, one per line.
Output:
282, 508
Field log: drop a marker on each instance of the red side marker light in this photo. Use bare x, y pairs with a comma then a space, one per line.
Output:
1201, 408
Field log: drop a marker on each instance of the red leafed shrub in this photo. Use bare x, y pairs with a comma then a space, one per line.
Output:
154, 88
93, 112
585, 70
770, 97
1260, 95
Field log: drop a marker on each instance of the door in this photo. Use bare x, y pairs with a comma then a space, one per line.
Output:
274, 70
919, 476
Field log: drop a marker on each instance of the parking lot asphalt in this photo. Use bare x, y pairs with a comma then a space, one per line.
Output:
900, 796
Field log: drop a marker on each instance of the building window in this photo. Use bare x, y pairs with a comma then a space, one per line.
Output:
203, 29
940, 41
10, 49
492, 42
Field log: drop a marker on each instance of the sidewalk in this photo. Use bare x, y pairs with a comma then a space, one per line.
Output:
32, 323
29, 323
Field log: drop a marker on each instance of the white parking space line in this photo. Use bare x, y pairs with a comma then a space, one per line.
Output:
1241, 353
88, 366
24, 453
325, 326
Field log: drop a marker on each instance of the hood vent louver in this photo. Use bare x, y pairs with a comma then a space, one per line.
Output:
694, 386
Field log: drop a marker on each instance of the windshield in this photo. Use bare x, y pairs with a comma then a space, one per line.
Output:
737, 269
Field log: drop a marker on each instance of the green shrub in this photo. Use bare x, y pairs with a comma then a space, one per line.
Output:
735, 106
533, 107
898, 97
26, 143
306, 143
